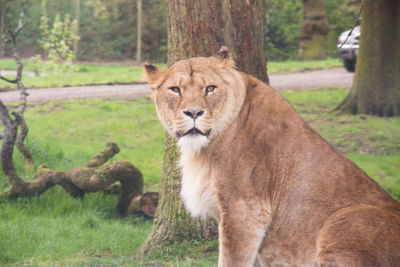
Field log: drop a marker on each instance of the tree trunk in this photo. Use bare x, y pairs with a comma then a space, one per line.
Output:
314, 31
2, 27
376, 87
207, 25
196, 28
244, 35
76, 41
139, 31
172, 222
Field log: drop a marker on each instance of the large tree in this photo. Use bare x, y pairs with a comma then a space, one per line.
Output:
199, 28
314, 31
376, 87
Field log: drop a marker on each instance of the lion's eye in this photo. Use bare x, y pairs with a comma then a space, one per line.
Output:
210, 89
175, 89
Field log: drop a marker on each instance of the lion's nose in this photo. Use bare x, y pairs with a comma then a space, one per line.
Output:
193, 113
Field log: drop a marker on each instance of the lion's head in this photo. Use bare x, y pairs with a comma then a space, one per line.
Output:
197, 98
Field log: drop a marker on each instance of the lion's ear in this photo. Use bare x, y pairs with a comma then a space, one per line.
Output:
152, 75
224, 57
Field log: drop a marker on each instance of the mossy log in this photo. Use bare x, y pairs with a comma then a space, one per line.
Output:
96, 175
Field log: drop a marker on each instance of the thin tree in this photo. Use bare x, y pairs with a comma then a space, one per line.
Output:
314, 31
139, 8
196, 28
376, 86
4, 4
77, 19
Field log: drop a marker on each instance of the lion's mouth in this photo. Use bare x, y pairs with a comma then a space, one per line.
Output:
193, 131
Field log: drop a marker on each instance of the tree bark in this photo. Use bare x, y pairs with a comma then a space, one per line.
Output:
139, 30
196, 28
314, 31
376, 87
244, 35
2, 27
200, 28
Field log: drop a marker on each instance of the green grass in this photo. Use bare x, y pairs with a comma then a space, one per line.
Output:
295, 66
88, 74
54, 229
104, 74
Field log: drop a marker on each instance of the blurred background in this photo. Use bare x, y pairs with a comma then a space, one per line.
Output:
108, 29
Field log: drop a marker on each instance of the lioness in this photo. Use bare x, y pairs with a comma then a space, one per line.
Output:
279, 191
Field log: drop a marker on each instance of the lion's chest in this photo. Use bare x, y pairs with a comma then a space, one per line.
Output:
197, 191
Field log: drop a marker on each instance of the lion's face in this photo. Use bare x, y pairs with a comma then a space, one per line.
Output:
196, 98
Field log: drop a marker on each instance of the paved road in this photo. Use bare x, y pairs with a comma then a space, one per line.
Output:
293, 81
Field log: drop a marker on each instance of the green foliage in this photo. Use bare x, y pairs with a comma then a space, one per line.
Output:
107, 27
284, 19
56, 41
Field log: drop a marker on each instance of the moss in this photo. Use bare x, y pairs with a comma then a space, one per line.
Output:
313, 48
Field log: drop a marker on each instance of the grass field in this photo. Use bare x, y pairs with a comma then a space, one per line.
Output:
54, 229
104, 74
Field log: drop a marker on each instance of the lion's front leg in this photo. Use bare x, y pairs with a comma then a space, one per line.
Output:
240, 236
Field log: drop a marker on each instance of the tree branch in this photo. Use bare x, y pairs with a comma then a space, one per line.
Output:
103, 156
19, 142
7, 80
4, 113
11, 125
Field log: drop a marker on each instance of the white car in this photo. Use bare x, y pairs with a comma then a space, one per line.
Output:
348, 51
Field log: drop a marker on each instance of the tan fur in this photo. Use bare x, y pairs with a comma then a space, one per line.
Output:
279, 191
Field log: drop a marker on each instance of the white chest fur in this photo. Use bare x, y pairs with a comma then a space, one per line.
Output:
197, 187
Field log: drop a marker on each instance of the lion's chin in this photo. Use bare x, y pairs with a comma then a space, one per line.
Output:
192, 143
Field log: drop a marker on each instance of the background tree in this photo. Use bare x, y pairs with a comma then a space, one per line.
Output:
4, 4
139, 31
77, 19
314, 31
109, 27
376, 87
202, 33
